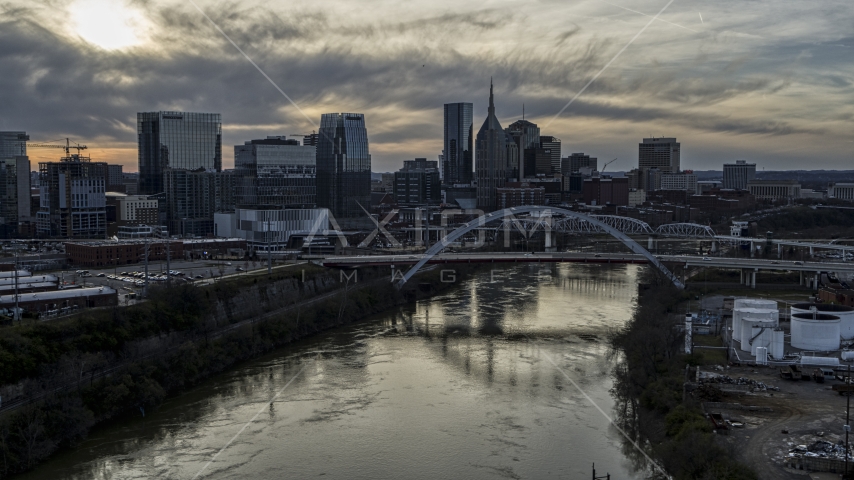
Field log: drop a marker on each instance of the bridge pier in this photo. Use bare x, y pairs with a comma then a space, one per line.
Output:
714, 246
801, 282
741, 280
811, 251
650, 244
752, 250
779, 250
815, 282
753, 279
549, 241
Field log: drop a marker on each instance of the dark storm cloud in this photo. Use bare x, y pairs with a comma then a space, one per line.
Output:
401, 69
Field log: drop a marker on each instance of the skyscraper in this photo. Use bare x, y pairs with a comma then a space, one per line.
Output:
13, 144
526, 135
343, 164
14, 180
736, 175
552, 144
491, 158
459, 130
181, 140
275, 172
190, 201
660, 153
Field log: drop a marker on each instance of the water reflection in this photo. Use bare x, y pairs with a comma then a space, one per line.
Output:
451, 387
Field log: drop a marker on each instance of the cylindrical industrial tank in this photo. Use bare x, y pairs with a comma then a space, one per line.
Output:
776, 349
845, 314
761, 335
763, 319
815, 331
740, 307
750, 317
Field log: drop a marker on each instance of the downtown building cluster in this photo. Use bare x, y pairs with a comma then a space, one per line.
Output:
282, 186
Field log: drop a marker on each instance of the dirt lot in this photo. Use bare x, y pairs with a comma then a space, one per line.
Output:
810, 411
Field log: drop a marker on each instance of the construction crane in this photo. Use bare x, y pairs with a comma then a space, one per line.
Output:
606, 165
67, 146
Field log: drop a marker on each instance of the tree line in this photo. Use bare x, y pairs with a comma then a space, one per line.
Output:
648, 388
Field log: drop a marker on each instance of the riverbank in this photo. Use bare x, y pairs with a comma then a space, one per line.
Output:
649, 390
102, 365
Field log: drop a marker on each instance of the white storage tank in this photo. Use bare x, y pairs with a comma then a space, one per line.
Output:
762, 336
815, 331
748, 318
741, 307
761, 319
845, 314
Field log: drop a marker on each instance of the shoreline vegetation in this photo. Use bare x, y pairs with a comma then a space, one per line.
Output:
648, 391
66, 376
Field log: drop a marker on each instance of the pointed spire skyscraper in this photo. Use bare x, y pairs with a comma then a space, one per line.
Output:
490, 158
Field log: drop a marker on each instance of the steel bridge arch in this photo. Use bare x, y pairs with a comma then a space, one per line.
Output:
500, 214
692, 230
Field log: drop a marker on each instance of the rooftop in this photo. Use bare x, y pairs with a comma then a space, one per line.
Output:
58, 294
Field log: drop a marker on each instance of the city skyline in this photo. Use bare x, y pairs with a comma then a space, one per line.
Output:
731, 86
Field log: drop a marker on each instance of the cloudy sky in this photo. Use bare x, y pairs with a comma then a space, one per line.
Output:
768, 81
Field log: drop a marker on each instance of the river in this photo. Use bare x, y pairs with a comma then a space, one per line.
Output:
468, 384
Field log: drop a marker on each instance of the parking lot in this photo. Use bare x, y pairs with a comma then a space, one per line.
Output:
131, 278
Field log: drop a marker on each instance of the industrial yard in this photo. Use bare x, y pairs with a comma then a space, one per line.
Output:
770, 424
779, 402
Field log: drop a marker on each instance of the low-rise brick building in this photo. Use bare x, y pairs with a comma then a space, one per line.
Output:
108, 254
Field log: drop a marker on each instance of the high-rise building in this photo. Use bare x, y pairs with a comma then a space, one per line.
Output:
343, 165
115, 178
576, 161
225, 187
13, 144
177, 140
526, 135
736, 175
14, 181
73, 203
190, 198
275, 173
459, 147
417, 183
14, 192
491, 158
552, 144
660, 153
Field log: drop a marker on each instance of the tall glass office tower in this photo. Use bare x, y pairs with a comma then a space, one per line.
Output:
343, 165
181, 140
14, 180
459, 141
13, 144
